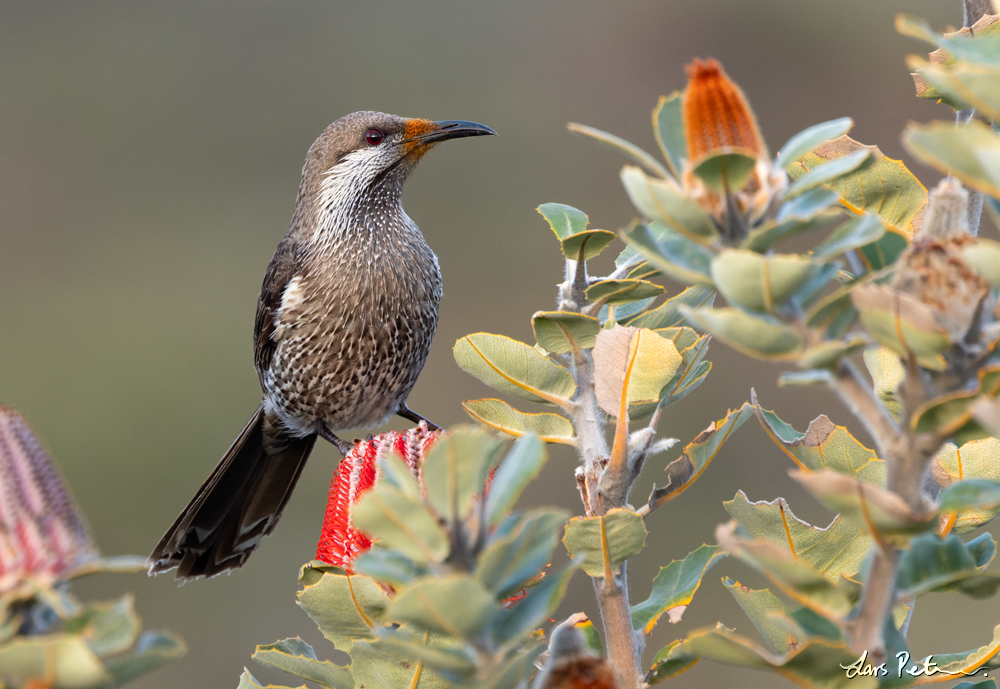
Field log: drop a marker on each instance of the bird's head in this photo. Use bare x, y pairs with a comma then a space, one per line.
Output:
364, 148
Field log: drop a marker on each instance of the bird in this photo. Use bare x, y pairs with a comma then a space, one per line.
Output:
344, 323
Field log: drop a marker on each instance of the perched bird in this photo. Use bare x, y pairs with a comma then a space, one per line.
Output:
344, 323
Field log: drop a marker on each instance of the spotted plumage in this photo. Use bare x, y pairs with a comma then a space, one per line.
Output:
344, 323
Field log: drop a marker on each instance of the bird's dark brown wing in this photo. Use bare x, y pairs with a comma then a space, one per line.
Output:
283, 267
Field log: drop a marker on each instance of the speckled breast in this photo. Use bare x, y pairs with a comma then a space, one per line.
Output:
352, 336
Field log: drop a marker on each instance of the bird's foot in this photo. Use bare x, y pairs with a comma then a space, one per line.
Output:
413, 416
341, 445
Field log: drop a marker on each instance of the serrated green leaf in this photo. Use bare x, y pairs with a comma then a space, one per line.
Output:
500, 416
430, 605
793, 576
880, 185
824, 445
698, 454
674, 588
758, 282
808, 139
766, 611
629, 149
725, 170
828, 354
248, 681
514, 368
962, 84
807, 206
559, 331
662, 200
670, 662
756, 337
668, 315
834, 551
517, 469
622, 291
668, 128
345, 608
519, 555
456, 468
672, 253
298, 658
605, 541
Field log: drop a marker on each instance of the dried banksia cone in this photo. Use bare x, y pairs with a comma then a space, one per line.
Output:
339, 541
718, 120
44, 537
572, 664
933, 270
947, 214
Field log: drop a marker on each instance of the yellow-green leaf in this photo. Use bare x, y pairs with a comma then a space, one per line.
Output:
756, 337
674, 588
514, 368
887, 372
824, 445
881, 185
903, 323
834, 551
559, 332
605, 542
974, 459
760, 282
500, 416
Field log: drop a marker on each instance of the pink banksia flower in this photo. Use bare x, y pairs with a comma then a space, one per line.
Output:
44, 538
340, 542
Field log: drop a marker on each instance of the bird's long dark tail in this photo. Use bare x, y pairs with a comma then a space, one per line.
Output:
238, 504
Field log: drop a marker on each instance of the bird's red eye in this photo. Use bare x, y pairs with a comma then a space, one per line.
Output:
374, 137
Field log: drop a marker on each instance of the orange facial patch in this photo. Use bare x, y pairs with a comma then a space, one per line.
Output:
716, 113
414, 128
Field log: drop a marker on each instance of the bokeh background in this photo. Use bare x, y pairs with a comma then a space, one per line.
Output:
149, 159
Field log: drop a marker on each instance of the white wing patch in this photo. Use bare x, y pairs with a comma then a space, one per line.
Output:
292, 299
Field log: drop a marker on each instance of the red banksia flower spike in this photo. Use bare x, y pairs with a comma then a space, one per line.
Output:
716, 113
339, 541
43, 535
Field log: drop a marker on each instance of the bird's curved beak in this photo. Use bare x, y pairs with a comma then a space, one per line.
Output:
423, 132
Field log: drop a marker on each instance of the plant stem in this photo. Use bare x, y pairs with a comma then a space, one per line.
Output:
624, 649
857, 396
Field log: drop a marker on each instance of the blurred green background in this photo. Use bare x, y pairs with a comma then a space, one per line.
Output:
149, 159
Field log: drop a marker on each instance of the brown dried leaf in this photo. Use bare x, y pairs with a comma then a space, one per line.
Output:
631, 365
